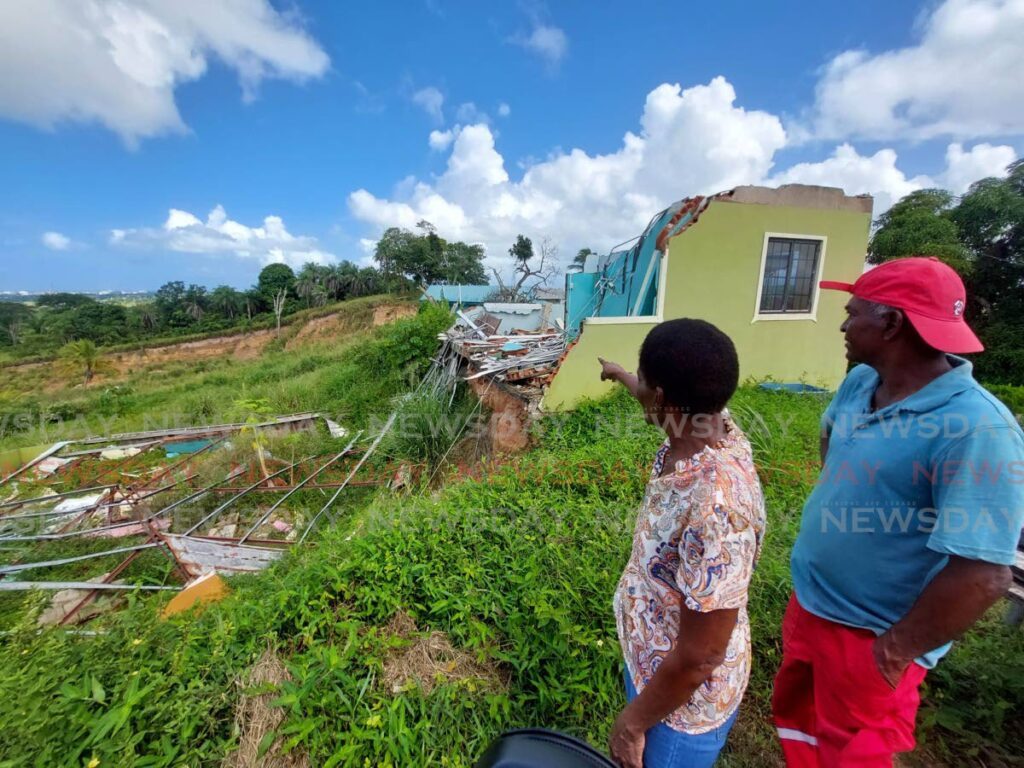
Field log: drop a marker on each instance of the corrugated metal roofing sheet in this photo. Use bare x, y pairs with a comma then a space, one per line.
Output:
459, 294
512, 309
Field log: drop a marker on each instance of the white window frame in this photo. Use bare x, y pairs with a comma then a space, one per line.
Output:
812, 315
660, 300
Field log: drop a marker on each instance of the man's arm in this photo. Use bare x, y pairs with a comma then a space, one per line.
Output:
703, 641
614, 372
956, 598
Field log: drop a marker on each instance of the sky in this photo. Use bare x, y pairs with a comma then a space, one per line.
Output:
143, 141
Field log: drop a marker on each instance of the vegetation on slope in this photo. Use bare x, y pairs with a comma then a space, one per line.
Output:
516, 567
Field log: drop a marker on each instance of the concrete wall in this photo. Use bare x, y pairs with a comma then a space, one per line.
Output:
579, 376
713, 273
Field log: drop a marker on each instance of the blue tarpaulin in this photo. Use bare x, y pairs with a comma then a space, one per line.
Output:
185, 446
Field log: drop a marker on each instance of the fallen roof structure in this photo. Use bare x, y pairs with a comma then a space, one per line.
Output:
104, 494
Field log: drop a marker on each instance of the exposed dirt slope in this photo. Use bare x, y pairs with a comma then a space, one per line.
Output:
238, 346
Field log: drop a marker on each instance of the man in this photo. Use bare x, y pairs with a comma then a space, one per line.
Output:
906, 539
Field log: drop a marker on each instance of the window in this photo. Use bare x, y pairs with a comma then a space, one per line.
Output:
790, 276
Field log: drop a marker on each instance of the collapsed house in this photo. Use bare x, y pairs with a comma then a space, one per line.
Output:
120, 496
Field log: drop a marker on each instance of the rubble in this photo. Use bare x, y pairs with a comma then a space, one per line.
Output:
108, 488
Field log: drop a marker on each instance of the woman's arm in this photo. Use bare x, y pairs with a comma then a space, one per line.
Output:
614, 372
704, 639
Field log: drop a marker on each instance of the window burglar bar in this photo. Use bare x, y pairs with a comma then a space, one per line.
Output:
790, 269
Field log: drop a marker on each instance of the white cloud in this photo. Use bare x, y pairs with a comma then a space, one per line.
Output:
118, 63
696, 140
369, 248
183, 232
55, 241
857, 174
470, 113
878, 175
441, 140
691, 141
961, 79
504, 110
980, 162
430, 100
548, 42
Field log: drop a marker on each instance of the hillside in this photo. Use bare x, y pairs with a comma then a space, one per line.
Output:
183, 383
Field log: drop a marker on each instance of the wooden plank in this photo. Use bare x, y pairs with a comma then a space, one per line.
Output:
200, 556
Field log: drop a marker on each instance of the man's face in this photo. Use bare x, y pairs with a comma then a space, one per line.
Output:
863, 330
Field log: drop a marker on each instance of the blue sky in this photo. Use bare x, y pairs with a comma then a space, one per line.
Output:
124, 125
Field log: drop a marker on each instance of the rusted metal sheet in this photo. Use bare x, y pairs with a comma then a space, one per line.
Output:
198, 556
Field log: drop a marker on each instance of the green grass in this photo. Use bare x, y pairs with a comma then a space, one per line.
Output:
517, 566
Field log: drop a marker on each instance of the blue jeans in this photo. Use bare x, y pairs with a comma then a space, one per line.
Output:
669, 748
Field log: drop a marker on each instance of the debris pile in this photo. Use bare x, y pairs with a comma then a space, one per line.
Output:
516, 356
145, 489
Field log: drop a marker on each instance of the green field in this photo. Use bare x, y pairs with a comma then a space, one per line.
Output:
514, 567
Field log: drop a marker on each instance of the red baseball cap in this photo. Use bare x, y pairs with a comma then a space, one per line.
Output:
930, 293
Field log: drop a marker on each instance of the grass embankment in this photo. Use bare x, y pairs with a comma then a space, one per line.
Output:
334, 376
267, 321
516, 567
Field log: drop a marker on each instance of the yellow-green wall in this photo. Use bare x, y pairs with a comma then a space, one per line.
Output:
579, 376
713, 272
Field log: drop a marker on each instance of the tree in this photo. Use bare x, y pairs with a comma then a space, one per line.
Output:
195, 302
63, 300
273, 278
170, 304
14, 317
463, 264
538, 273
254, 302
226, 301
392, 249
428, 258
340, 279
918, 224
982, 236
522, 249
367, 282
100, 322
279, 301
83, 358
990, 220
581, 259
310, 278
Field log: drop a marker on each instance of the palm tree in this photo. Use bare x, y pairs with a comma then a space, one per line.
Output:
225, 300
195, 298
309, 278
82, 357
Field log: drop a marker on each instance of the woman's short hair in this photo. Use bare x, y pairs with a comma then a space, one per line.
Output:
693, 362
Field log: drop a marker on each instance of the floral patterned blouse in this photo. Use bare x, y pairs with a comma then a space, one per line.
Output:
697, 538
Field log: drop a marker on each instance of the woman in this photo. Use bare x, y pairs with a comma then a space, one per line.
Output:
681, 602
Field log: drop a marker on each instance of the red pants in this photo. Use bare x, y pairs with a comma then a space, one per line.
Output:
831, 705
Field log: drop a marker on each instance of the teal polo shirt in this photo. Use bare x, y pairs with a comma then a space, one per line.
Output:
939, 473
